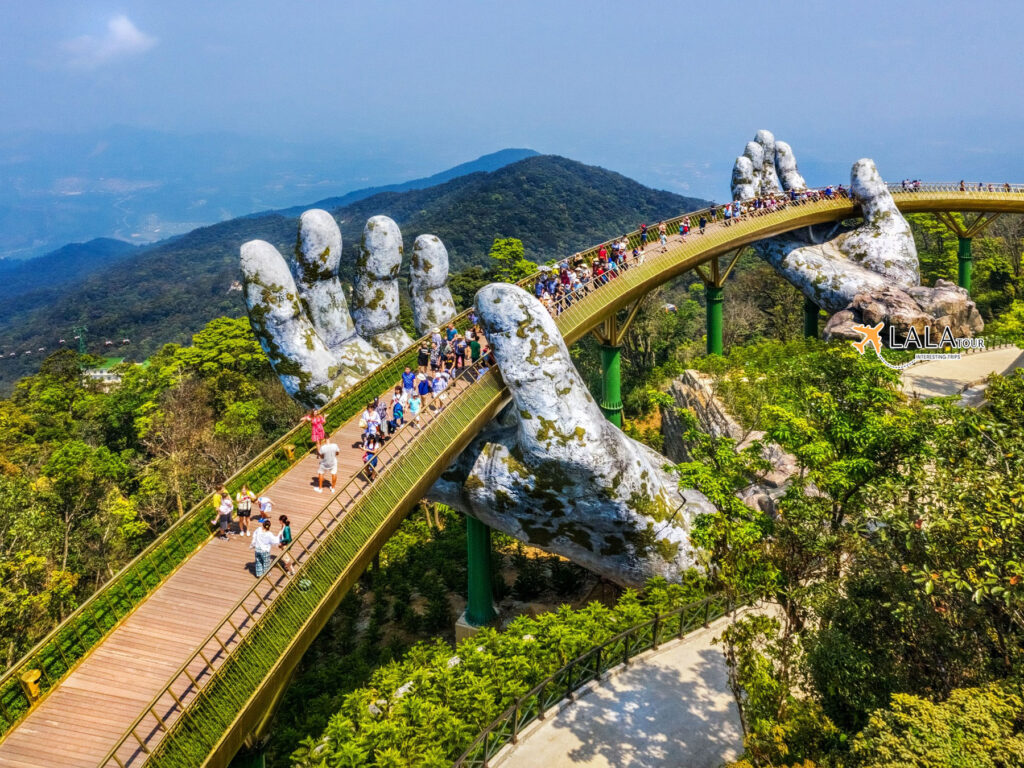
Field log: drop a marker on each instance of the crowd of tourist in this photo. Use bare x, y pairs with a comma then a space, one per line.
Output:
242, 507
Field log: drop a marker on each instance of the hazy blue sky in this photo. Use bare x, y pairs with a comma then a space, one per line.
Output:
665, 92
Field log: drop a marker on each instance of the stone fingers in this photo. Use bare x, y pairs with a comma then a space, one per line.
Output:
744, 183
432, 304
557, 414
785, 166
884, 243
375, 303
297, 353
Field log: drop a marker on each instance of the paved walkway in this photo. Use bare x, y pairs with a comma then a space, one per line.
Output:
940, 378
670, 707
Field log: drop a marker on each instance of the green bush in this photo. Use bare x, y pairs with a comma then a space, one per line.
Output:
427, 708
973, 728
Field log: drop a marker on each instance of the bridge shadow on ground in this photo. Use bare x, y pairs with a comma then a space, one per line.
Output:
674, 709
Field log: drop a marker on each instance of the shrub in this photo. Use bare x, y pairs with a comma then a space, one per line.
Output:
973, 728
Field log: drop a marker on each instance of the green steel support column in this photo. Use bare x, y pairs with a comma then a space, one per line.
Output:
480, 607
611, 383
713, 294
811, 311
964, 263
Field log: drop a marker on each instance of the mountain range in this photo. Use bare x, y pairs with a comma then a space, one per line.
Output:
167, 291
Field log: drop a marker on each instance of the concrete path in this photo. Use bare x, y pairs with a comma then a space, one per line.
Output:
670, 707
940, 378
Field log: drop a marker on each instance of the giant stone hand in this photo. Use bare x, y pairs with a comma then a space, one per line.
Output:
554, 472
866, 274
299, 314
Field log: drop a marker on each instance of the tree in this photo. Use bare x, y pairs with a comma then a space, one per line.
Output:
508, 259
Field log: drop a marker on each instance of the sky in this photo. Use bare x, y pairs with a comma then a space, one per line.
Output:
667, 93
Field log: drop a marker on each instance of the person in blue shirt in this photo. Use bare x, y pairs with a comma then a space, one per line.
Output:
424, 390
408, 381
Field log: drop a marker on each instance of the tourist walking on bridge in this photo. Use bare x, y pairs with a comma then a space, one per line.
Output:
284, 538
328, 465
263, 542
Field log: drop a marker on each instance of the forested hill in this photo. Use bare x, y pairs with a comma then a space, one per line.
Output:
170, 290
486, 163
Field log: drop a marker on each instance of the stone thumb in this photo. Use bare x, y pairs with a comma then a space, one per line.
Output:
556, 411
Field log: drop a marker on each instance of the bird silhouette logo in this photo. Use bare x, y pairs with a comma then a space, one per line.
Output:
871, 336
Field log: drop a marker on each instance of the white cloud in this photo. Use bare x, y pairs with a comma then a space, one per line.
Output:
122, 39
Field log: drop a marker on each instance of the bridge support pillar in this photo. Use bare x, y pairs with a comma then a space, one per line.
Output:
610, 335
714, 278
965, 231
964, 263
611, 383
713, 296
811, 312
480, 606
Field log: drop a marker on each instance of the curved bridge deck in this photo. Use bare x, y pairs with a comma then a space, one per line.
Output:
197, 666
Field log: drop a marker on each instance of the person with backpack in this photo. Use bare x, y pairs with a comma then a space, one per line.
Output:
397, 414
643, 237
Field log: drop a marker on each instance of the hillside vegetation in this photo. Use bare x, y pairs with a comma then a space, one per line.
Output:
167, 292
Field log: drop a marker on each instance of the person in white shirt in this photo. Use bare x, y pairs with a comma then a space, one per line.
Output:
263, 541
266, 506
328, 465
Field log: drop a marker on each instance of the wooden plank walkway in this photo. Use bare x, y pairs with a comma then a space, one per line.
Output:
83, 718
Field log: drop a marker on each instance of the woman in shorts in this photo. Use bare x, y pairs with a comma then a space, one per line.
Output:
244, 501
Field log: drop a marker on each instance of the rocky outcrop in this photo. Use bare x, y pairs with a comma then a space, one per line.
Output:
944, 306
300, 317
555, 473
695, 392
868, 270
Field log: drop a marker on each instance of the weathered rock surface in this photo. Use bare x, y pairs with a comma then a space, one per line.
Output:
696, 392
432, 304
852, 273
944, 306
555, 473
299, 314
375, 298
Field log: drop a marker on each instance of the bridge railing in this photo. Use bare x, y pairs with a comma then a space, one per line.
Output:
965, 187
588, 667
